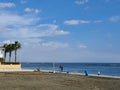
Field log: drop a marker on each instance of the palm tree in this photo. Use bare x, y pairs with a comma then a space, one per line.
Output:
10, 48
6, 51
17, 46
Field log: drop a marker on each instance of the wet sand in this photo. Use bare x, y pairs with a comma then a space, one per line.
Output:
50, 81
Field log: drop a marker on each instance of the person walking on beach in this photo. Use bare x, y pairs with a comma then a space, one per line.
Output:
98, 73
61, 68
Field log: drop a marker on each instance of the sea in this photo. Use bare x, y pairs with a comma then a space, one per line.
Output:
110, 69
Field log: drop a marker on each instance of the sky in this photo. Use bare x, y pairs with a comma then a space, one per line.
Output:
62, 30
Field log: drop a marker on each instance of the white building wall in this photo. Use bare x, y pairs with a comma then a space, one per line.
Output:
1, 55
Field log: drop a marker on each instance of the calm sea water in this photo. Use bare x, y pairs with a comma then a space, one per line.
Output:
112, 69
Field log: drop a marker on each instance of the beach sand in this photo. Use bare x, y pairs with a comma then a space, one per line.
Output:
51, 81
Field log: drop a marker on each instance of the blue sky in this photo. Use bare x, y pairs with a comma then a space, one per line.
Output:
62, 30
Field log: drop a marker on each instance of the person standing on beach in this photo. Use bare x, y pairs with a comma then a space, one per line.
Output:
98, 73
61, 68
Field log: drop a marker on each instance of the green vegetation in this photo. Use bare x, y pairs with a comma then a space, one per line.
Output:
1, 60
7, 63
16, 46
9, 48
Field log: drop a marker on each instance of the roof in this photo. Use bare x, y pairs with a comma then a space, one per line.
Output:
1, 47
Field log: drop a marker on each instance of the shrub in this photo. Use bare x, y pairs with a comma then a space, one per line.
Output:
1, 60
7, 63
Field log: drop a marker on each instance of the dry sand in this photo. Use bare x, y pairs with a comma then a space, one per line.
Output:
50, 81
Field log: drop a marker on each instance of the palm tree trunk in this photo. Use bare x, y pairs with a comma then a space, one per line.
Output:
4, 56
10, 56
15, 55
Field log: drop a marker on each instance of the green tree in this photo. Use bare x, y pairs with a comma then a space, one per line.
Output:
6, 51
17, 46
10, 48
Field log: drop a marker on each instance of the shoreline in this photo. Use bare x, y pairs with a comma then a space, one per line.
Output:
81, 74
52, 71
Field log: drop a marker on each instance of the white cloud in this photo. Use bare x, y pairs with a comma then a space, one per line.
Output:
82, 46
71, 22
37, 11
115, 19
35, 32
13, 20
83, 22
54, 45
81, 2
28, 10
32, 10
76, 22
51, 30
26, 29
7, 5
54, 32
31, 42
7, 42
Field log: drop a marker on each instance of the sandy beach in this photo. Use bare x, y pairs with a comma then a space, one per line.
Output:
51, 81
